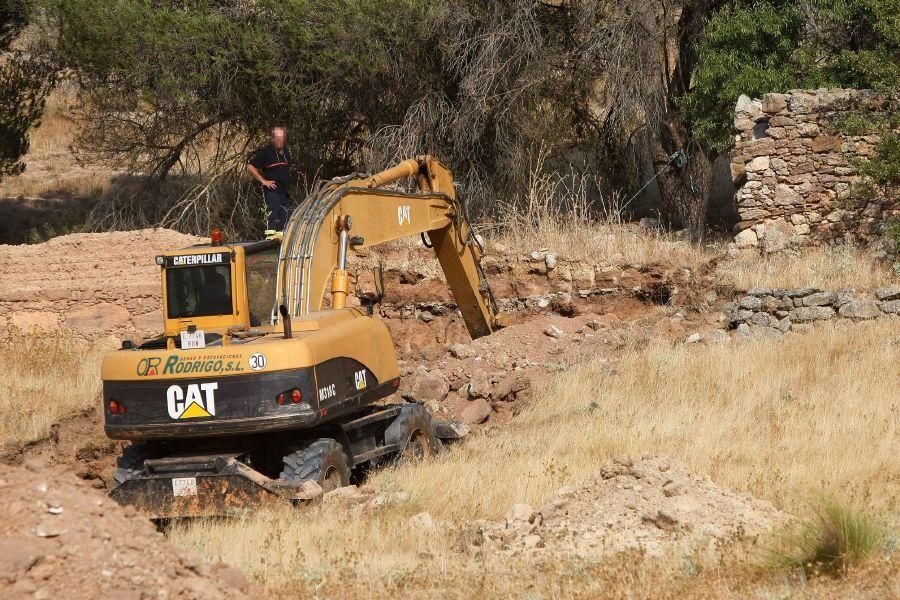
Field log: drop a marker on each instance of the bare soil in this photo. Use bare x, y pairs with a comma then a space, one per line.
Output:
60, 538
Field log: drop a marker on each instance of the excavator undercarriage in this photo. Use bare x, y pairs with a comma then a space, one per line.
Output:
264, 383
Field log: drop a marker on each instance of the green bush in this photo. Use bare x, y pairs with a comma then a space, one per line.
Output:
755, 47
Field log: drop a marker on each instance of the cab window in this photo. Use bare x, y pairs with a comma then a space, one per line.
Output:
261, 273
201, 291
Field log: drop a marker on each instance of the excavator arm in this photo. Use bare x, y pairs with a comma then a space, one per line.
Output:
361, 212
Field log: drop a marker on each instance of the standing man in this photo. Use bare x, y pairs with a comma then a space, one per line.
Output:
271, 166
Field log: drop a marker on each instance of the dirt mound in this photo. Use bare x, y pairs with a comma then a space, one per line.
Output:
653, 505
61, 539
94, 283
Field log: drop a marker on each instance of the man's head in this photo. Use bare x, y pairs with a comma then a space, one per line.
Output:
279, 136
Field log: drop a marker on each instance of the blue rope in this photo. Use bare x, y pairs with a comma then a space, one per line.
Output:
679, 158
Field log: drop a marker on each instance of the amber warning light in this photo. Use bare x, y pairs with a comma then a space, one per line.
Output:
216, 237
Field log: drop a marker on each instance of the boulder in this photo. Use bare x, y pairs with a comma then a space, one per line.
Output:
758, 164
519, 513
750, 303
554, 332
891, 307
805, 314
462, 351
425, 386
776, 239
100, 317
819, 299
422, 520
774, 103
785, 195
860, 309
476, 412
747, 109
888, 292
33, 321
746, 239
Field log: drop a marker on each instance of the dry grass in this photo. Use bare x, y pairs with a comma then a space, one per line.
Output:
603, 243
824, 420
45, 378
826, 268
51, 168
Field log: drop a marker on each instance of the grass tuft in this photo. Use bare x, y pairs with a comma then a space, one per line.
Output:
833, 540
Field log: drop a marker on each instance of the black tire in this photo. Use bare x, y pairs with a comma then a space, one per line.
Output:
413, 430
324, 461
130, 464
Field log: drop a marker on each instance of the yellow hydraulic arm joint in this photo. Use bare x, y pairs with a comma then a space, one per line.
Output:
340, 282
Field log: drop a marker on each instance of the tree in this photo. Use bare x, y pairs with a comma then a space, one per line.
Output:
772, 46
25, 81
189, 87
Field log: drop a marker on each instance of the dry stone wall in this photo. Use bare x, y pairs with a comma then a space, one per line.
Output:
793, 169
775, 311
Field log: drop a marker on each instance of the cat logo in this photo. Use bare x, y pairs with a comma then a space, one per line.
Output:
199, 401
404, 215
360, 379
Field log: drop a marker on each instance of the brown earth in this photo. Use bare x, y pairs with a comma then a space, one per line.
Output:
97, 284
652, 505
59, 538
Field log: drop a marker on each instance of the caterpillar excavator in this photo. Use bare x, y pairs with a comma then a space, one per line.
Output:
265, 383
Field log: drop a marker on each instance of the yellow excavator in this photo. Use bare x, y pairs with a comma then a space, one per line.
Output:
255, 389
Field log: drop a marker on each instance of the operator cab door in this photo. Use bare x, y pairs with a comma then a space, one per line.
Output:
200, 290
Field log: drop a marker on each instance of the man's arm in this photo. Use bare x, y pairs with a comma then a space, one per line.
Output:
268, 183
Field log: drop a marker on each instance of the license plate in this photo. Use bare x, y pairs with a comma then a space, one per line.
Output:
184, 486
195, 339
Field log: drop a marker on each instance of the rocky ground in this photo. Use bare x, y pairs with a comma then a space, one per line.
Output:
59, 538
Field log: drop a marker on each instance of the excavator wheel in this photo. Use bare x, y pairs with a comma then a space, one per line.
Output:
414, 431
324, 461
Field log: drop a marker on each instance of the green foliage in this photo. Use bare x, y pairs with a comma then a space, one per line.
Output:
328, 69
25, 81
755, 47
884, 169
747, 50
833, 540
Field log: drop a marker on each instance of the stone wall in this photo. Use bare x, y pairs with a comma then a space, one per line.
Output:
793, 171
774, 311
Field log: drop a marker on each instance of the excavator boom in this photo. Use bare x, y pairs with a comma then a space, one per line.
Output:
362, 212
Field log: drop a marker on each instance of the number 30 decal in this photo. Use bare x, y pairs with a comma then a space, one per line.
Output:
257, 361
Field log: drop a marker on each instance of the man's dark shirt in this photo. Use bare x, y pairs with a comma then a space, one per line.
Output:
275, 165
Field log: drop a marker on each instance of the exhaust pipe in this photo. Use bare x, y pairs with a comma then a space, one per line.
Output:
286, 319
